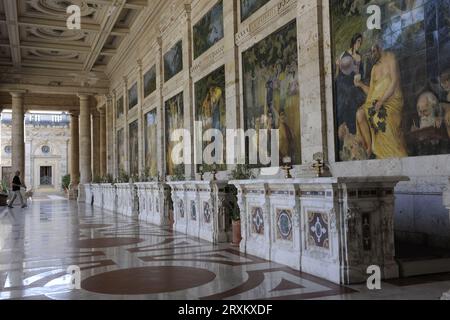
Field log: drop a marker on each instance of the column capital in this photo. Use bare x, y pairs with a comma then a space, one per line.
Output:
17, 93
84, 96
101, 109
108, 98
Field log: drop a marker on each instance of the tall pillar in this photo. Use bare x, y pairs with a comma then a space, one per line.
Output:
103, 144
74, 155
95, 143
17, 133
85, 146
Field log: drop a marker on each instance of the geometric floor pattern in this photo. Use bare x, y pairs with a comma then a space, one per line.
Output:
120, 258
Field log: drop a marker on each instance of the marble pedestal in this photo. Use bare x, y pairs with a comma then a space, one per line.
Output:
97, 191
85, 194
446, 296
109, 197
203, 209
127, 203
333, 228
154, 203
446, 197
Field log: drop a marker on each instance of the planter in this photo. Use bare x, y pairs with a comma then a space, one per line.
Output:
237, 237
3, 200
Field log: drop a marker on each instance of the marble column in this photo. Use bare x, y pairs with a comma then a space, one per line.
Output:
103, 144
74, 156
17, 133
85, 145
95, 144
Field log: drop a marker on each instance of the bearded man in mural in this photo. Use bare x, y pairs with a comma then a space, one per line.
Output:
379, 120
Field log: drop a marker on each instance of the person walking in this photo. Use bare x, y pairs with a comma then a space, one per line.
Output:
16, 185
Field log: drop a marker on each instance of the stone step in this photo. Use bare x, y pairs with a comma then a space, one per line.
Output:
411, 268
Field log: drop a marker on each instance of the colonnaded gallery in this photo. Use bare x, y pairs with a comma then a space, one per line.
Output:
231, 149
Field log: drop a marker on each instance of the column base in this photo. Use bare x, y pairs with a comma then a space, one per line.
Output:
73, 192
81, 193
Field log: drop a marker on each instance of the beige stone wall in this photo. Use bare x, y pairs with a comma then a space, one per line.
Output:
57, 138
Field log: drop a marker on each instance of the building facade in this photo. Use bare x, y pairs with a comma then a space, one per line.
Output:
47, 138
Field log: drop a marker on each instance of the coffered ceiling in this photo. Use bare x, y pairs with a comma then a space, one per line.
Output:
37, 48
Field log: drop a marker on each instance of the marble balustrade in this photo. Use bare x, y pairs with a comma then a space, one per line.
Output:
109, 197
85, 194
203, 209
154, 202
334, 228
97, 192
127, 203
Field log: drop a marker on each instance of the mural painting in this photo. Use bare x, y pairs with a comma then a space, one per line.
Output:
210, 109
174, 120
209, 30
133, 131
249, 7
132, 97
151, 148
271, 89
150, 81
121, 150
173, 61
391, 85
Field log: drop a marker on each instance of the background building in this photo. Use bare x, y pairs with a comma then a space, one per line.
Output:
47, 138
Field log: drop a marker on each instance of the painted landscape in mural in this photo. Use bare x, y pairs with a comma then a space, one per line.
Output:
391, 85
119, 107
133, 132
132, 97
173, 61
121, 150
249, 7
174, 120
151, 148
210, 106
271, 89
150, 81
209, 30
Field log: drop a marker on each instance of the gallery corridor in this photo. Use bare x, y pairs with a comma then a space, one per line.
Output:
124, 259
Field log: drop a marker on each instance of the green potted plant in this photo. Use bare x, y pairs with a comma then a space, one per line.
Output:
4, 193
65, 183
179, 173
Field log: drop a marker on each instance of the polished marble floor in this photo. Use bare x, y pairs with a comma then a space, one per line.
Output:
120, 258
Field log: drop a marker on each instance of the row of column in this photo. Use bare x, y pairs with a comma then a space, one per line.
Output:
88, 143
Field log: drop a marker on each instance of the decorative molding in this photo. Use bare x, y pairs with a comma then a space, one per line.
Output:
265, 20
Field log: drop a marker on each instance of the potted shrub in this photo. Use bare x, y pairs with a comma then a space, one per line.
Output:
65, 184
4, 194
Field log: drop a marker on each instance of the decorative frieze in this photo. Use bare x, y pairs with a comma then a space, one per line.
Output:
268, 18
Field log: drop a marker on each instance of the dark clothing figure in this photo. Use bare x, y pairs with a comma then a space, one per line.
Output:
16, 183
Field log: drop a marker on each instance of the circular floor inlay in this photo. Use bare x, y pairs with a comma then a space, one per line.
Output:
107, 242
93, 226
147, 280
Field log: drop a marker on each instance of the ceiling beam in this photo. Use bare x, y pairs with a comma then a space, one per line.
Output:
136, 4
108, 24
54, 46
13, 30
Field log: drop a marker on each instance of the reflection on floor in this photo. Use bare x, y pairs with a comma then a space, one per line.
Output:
124, 259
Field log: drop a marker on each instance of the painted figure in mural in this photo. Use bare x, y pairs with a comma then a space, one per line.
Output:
444, 81
429, 111
379, 119
212, 106
349, 66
